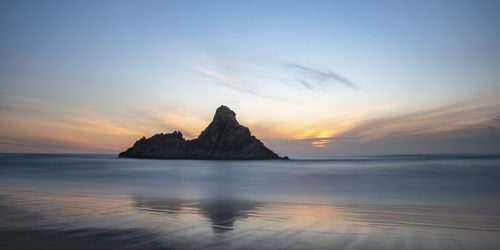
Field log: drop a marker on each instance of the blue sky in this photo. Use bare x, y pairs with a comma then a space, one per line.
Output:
325, 77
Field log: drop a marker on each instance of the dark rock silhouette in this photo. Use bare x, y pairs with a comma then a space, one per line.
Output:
223, 139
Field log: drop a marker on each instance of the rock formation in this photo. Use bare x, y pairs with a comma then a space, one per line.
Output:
223, 139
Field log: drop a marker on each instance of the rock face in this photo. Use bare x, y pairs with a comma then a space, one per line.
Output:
223, 139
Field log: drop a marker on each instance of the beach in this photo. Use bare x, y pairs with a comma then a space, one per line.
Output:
50, 201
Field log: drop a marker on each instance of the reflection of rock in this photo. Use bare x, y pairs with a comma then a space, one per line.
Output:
224, 138
221, 213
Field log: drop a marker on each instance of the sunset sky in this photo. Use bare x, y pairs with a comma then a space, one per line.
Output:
307, 77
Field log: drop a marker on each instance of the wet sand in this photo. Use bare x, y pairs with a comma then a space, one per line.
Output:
105, 203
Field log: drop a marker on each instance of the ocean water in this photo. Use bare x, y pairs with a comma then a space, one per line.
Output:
50, 201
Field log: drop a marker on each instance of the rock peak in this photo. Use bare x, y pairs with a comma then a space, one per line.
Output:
223, 139
223, 113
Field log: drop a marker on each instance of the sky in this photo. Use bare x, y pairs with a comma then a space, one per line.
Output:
307, 77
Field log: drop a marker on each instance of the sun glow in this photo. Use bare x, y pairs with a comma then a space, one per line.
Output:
321, 143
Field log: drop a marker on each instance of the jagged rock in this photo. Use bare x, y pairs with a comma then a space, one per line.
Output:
223, 139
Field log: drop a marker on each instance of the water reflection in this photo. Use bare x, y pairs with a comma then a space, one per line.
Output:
143, 221
63, 202
222, 214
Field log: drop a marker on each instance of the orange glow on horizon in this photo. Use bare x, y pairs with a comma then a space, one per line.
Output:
321, 143
33, 129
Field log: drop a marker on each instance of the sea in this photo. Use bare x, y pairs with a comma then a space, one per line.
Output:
77, 201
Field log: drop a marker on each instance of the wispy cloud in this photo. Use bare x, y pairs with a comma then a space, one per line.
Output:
318, 76
324, 138
496, 118
51, 144
11, 142
323, 142
469, 125
306, 84
32, 128
234, 83
219, 76
154, 120
473, 113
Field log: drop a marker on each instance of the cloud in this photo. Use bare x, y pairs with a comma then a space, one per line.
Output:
324, 138
425, 122
52, 144
470, 118
323, 142
471, 125
306, 84
219, 76
322, 77
496, 118
154, 119
41, 128
234, 83
11, 142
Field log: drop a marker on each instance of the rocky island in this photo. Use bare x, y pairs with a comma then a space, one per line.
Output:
223, 139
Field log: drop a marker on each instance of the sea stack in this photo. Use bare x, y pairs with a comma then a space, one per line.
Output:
223, 139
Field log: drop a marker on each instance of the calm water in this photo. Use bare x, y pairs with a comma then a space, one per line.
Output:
350, 202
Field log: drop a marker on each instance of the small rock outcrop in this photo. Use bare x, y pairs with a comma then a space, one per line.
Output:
223, 139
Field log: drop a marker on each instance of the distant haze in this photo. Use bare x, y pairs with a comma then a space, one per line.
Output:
307, 77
